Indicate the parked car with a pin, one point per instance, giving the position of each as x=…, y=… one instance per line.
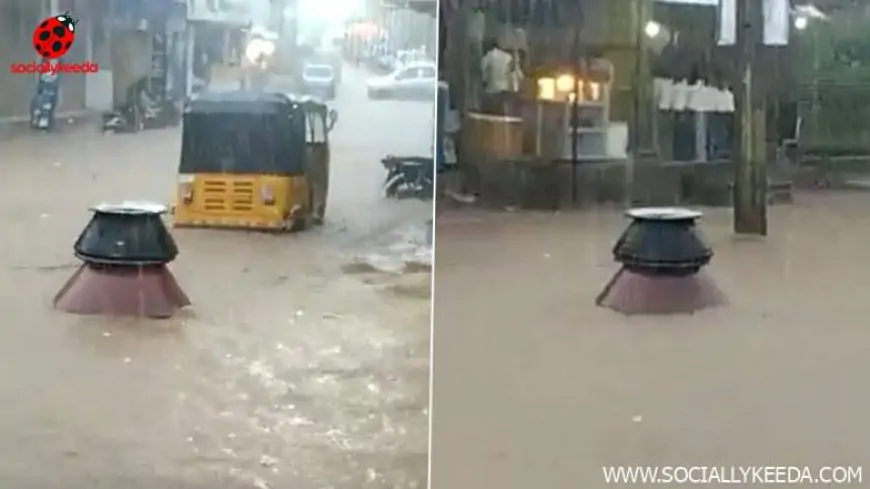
x=319, y=80
x=328, y=56
x=385, y=63
x=409, y=56
x=411, y=81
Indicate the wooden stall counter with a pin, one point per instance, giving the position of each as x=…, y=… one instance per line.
x=493, y=137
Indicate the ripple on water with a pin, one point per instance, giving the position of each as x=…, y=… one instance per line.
x=408, y=251
x=317, y=393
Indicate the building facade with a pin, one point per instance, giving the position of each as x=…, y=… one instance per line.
x=19, y=19
x=113, y=34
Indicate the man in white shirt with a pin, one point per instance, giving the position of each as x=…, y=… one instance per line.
x=501, y=79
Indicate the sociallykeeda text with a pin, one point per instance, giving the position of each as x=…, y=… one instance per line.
x=54, y=68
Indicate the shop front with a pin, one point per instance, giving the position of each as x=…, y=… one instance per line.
x=78, y=93
x=546, y=93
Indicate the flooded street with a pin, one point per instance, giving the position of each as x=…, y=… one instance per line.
x=293, y=368
x=553, y=388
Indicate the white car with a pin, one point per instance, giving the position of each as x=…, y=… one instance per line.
x=410, y=81
x=413, y=56
x=319, y=80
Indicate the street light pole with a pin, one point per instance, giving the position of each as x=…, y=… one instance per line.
x=750, y=159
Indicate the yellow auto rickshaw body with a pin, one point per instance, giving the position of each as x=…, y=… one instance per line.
x=254, y=161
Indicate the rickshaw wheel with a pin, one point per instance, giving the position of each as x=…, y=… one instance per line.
x=318, y=217
x=300, y=224
x=307, y=220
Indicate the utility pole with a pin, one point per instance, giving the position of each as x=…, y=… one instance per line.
x=750, y=158
x=639, y=124
x=287, y=33
x=458, y=48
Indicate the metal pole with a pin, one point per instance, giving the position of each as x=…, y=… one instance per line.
x=572, y=130
x=460, y=42
x=579, y=72
x=628, y=184
x=189, y=52
x=750, y=175
x=277, y=16
x=290, y=29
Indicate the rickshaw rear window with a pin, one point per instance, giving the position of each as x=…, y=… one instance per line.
x=241, y=143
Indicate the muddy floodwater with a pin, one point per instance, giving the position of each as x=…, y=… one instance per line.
x=537, y=387
x=296, y=367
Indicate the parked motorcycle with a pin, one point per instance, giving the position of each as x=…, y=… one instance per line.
x=141, y=111
x=409, y=177
x=44, y=102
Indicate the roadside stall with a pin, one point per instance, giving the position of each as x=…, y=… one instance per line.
x=215, y=40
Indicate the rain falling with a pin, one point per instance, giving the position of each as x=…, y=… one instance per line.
x=205, y=282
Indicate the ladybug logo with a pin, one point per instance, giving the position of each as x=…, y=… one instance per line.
x=54, y=36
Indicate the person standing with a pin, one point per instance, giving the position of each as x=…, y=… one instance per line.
x=501, y=80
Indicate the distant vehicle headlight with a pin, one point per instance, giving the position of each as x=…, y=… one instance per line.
x=257, y=48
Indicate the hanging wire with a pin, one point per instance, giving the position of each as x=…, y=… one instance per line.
x=579, y=72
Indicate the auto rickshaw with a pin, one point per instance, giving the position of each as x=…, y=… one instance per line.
x=254, y=161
